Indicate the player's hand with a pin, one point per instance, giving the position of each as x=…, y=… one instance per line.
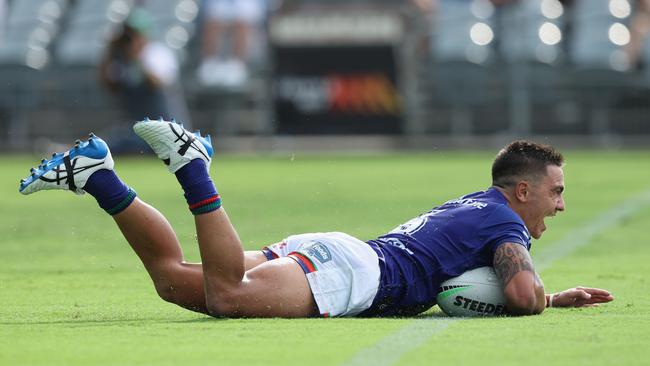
x=581, y=296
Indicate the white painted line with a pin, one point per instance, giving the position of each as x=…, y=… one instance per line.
x=392, y=347
x=580, y=236
x=388, y=350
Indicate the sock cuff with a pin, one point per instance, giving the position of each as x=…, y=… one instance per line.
x=123, y=204
x=207, y=205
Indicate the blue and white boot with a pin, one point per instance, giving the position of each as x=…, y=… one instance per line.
x=173, y=144
x=69, y=170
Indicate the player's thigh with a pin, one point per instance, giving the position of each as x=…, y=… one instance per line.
x=253, y=258
x=276, y=288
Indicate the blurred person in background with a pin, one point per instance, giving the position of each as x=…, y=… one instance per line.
x=426, y=6
x=228, y=32
x=639, y=28
x=426, y=9
x=144, y=75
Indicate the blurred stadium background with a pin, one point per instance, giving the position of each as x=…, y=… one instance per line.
x=332, y=74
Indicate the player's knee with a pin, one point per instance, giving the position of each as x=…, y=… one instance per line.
x=166, y=287
x=168, y=279
x=223, y=305
x=166, y=291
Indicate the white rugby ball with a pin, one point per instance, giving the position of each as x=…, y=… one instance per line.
x=477, y=292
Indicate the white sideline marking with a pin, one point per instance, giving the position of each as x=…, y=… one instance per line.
x=392, y=347
x=578, y=237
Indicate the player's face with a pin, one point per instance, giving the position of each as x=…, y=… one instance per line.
x=546, y=199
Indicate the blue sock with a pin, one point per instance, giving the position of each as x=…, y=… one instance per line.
x=111, y=193
x=200, y=193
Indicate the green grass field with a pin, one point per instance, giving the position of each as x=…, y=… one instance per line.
x=73, y=293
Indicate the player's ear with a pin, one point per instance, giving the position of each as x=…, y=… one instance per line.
x=522, y=190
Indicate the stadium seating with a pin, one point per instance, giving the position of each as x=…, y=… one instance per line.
x=462, y=54
x=463, y=31
x=550, y=69
x=32, y=26
x=645, y=59
x=538, y=34
x=173, y=23
x=598, y=35
x=91, y=24
x=601, y=69
x=531, y=40
x=31, y=30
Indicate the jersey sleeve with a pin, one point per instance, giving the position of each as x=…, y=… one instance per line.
x=505, y=227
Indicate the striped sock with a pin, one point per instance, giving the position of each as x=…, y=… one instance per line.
x=208, y=205
x=200, y=193
x=112, y=195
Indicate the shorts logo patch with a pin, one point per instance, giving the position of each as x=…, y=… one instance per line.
x=320, y=252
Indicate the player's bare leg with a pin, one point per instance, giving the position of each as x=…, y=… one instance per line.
x=88, y=167
x=154, y=241
x=275, y=288
x=271, y=289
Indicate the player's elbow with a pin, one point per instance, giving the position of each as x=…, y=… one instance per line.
x=524, y=300
x=525, y=295
x=524, y=304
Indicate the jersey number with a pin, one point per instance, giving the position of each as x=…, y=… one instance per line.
x=412, y=226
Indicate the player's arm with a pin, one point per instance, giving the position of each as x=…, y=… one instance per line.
x=578, y=297
x=522, y=287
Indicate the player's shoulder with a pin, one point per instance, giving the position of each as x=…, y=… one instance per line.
x=503, y=222
x=502, y=213
x=489, y=199
x=494, y=205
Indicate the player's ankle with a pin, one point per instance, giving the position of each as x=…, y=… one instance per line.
x=206, y=206
x=112, y=195
x=200, y=193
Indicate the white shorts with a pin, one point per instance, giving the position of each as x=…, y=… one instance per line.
x=342, y=271
x=248, y=11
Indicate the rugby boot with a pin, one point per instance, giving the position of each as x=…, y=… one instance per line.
x=173, y=144
x=69, y=170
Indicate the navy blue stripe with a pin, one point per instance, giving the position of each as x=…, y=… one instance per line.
x=302, y=265
x=269, y=254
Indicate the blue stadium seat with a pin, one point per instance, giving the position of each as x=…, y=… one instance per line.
x=32, y=25
x=645, y=59
x=531, y=30
x=91, y=25
x=101, y=10
x=601, y=67
x=591, y=46
x=461, y=60
x=453, y=24
x=93, y=22
x=33, y=11
x=173, y=23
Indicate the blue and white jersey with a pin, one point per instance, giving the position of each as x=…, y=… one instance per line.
x=462, y=234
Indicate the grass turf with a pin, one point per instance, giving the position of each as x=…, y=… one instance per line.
x=73, y=293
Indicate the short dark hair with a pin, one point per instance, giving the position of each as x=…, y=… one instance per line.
x=523, y=160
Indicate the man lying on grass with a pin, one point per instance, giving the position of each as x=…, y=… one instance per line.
x=326, y=274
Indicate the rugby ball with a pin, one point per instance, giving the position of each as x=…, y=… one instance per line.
x=477, y=292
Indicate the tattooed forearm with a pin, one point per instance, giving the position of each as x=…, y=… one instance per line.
x=510, y=259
